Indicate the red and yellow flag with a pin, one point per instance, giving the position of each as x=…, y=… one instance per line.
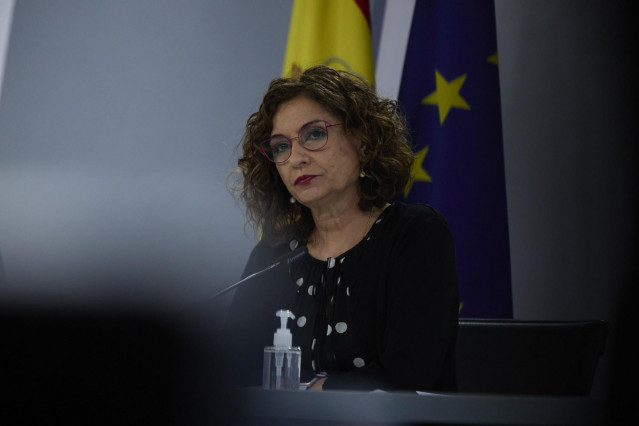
x=336, y=33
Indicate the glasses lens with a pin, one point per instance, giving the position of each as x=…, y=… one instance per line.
x=314, y=135
x=277, y=149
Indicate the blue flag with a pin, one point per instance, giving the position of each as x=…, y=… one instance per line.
x=450, y=94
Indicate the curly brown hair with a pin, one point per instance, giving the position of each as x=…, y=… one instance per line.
x=376, y=122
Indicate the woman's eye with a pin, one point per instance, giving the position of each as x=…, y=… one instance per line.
x=317, y=133
x=279, y=146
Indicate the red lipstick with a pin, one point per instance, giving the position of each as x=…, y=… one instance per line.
x=304, y=179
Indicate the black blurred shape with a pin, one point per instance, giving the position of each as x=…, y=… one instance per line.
x=98, y=365
x=623, y=391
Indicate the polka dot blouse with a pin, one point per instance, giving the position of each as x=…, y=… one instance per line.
x=384, y=313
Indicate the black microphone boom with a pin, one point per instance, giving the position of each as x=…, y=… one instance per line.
x=286, y=259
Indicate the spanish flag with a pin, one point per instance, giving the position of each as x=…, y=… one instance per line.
x=336, y=33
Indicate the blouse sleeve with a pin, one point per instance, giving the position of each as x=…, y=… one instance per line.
x=420, y=305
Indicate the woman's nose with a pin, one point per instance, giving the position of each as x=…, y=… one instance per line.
x=299, y=155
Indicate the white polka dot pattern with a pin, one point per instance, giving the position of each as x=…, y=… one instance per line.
x=341, y=327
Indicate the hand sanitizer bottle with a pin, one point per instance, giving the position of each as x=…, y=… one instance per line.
x=282, y=361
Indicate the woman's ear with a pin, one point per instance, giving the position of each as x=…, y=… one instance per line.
x=362, y=150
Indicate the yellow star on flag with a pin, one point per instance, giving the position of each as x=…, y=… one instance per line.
x=446, y=95
x=417, y=171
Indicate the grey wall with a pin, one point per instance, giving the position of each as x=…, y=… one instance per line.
x=569, y=131
x=118, y=127
x=119, y=121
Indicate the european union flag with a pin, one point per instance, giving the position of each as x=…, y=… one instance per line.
x=450, y=94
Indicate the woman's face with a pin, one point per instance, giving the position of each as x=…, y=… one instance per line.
x=322, y=179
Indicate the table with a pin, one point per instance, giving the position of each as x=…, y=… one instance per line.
x=348, y=407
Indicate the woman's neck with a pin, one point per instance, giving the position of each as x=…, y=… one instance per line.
x=338, y=231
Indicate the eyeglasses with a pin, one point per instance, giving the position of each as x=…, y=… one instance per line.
x=312, y=136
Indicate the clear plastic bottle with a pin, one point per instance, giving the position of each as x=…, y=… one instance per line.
x=282, y=361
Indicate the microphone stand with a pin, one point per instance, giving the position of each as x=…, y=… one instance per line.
x=286, y=259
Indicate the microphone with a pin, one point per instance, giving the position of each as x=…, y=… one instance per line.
x=285, y=259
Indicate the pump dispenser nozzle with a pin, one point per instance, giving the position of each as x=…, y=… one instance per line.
x=283, y=336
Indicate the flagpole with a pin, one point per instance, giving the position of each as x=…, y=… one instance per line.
x=398, y=16
x=6, y=13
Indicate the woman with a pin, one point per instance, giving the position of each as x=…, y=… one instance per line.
x=376, y=293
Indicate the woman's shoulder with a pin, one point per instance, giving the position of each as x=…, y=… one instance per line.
x=410, y=214
x=415, y=228
x=414, y=223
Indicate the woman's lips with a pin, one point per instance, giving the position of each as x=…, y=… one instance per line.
x=304, y=179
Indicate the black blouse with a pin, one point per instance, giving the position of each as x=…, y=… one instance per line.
x=382, y=315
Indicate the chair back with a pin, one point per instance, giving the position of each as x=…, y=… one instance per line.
x=528, y=357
